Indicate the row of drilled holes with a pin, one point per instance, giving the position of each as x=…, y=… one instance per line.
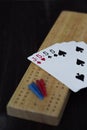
x=57, y=100
x=20, y=95
x=25, y=96
x=27, y=93
x=30, y=75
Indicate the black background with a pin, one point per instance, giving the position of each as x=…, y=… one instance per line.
x=23, y=27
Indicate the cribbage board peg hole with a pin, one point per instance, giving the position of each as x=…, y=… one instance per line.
x=56, y=102
x=35, y=104
x=50, y=101
x=37, y=72
x=22, y=103
x=23, y=88
x=36, y=75
x=23, y=99
x=19, y=95
x=54, y=106
x=17, y=98
x=47, y=109
x=35, y=79
x=27, y=80
x=53, y=110
x=27, y=92
x=58, y=99
x=49, y=105
x=15, y=102
x=21, y=91
x=62, y=87
x=25, y=96
x=57, y=86
x=59, y=95
x=52, y=98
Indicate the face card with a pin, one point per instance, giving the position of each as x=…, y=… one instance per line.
x=67, y=62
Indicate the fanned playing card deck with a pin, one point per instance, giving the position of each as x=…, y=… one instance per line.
x=67, y=62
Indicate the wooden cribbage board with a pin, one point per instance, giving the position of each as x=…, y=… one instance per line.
x=24, y=104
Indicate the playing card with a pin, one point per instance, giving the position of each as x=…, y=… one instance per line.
x=67, y=62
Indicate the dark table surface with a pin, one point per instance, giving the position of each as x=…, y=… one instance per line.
x=23, y=27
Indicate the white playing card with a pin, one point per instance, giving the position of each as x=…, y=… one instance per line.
x=67, y=62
